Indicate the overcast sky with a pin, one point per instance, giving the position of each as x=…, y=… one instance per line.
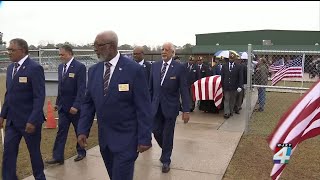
x=149, y=23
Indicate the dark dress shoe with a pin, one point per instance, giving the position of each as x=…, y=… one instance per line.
x=79, y=157
x=53, y=161
x=237, y=112
x=165, y=168
x=226, y=116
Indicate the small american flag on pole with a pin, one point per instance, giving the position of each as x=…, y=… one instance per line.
x=208, y=88
x=292, y=69
x=276, y=66
x=300, y=122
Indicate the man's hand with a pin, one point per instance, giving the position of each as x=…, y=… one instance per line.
x=82, y=140
x=30, y=128
x=142, y=148
x=55, y=108
x=73, y=110
x=185, y=117
x=1, y=122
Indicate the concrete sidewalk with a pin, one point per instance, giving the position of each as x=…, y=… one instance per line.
x=202, y=150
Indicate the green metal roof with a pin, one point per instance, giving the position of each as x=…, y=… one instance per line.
x=211, y=49
x=277, y=37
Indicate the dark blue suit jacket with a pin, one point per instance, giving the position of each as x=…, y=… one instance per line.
x=147, y=69
x=123, y=116
x=71, y=88
x=174, y=84
x=25, y=95
x=193, y=73
x=217, y=69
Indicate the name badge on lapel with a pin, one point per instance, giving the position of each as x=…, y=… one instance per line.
x=173, y=77
x=23, y=79
x=71, y=75
x=123, y=87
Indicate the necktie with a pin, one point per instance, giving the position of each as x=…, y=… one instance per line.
x=64, y=70
x=106, y=78
x=230, y=66
x=163, y=70
x=16, y=65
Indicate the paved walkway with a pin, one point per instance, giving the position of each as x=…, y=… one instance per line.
x=202, y=150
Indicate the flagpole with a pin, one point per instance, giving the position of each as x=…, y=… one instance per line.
x=2, y=132
x=303, y=59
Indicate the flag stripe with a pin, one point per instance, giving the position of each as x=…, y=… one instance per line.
x=208, y=88
x=300, y=122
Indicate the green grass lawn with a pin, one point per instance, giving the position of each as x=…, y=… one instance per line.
x=253, y=157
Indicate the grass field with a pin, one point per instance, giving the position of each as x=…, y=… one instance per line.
x=253, y=157
x=48, y=136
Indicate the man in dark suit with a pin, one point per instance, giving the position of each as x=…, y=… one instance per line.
x=232, y=82
x=23, y=110
x=167, y=83
x=240, y=95
x=72, y=84
x=138, y=56
x=192, y=76
x=117, y=92
x=204, y=69
x=218, y=67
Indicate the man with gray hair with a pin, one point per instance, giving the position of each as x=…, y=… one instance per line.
x=168, y=81
x=117, y=92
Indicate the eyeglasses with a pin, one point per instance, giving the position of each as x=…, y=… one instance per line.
x=100, y=45
x=12, y=50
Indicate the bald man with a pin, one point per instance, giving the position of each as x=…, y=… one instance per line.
x=117, y=92
x=138, y=56
x=168, y=81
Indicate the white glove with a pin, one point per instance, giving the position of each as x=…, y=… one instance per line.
x=239, y=89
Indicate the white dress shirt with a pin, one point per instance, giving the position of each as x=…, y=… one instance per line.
x=141, y=62
x=114, y=62
x=164, y=76
x=20, y=63
x=68, y=65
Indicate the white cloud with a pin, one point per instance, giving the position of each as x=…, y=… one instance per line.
x=150, y=23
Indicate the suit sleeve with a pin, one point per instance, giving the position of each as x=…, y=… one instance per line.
x=151, y=81
x=184, y=90
x=222, y=75
x=87, y=111
x=81, y=86
x=58, y=95
x=241, y=76
x=4, y=110
x=142, y=103
x=39, y=94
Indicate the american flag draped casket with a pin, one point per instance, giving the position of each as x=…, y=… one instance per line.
x=208, y=88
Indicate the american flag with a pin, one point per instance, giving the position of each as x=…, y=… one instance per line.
x=276, y=66
x=208, y=88
x=300, y=122
x=292, y=69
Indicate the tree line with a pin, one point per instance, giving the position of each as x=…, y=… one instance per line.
x=185, y=49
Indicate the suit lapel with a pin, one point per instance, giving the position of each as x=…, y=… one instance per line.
x=21, y=70
x=115, y=76
x=70, y=69
x=170, y=71
x=9, y=76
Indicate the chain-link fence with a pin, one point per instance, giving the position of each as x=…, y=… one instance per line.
x=50, y=60
x=276, y=79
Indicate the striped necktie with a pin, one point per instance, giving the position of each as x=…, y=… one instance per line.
x=163, y=70
x=16, y=65
x=106, y=78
